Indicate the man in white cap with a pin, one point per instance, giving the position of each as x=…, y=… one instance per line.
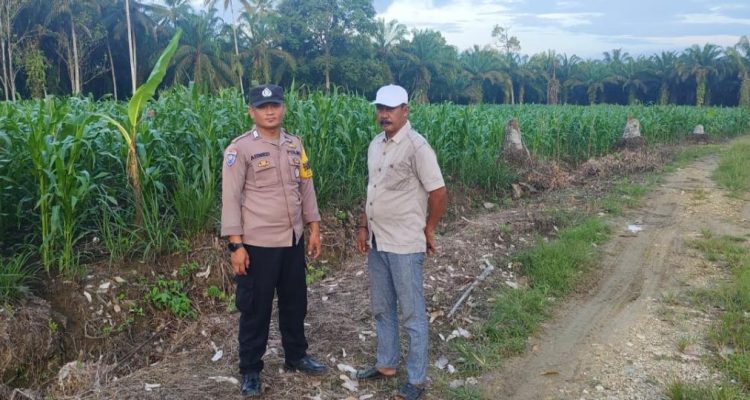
x=406, y=197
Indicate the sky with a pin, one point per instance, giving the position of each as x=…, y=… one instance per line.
x=586, y=28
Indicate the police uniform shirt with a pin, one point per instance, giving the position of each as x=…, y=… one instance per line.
x=267, y=190
x=402, y=171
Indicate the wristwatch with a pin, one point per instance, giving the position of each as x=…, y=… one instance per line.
x=234, y=247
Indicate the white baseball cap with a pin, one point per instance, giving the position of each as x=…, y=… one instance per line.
x=391, y=96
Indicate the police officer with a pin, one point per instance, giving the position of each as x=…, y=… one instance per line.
x=267, y=199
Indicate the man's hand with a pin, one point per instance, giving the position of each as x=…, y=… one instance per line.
x=362, y=235
x=314, y=242
x=240, y=261
x=430, y=239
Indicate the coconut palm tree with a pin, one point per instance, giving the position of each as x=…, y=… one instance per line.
x=199, y=58
x=228, y=4
x=261, y=47
x=386, y=38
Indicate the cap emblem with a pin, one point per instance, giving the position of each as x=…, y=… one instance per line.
x=266, y=92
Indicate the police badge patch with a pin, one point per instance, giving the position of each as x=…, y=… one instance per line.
x=231, y=157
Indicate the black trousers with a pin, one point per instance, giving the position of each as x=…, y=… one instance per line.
x=272, y=269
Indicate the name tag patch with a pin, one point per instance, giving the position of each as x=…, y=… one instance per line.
x=258, y=155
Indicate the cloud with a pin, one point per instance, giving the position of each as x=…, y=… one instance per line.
x=570, y=19
x=462, y=22
x=582, y=27
x=711, y=19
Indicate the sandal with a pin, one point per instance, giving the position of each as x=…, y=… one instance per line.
x=370, y=374
x=410, y=392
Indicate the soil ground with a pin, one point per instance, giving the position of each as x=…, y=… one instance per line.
x=630, y=335
x=618, y=339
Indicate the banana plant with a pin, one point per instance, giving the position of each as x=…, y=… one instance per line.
x=129, y=130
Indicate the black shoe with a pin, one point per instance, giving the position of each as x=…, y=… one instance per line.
x=307, y=365
x=250, y=384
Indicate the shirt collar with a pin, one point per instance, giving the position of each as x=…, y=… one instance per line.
x=283, y=136
x=400, y=134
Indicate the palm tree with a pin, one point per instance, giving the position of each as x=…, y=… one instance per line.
x=76, y=27
x=386, y=38
x=199, y=58
x=565, y=69
x=427, y=58
x=522, y=74
x=590, y=75
x=546, y=65
x=248, y=8
x=633, y=81
x=664, y=69
x=701, y=64
x=171, y=13
x=262, y=51
x=137, y=24
x=739, y=56
x=483, y=66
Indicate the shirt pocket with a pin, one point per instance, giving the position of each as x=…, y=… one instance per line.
x=265, y=172
x=399, y=176
x=295, y=163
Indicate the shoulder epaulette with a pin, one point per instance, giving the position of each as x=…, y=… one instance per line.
x=244, y=135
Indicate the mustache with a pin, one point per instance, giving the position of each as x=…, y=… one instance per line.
x=384, y=122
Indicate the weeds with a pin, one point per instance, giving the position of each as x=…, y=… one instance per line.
x=733, y=172
x=16, y=277
x=169, y=294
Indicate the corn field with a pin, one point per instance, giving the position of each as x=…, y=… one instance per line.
x=65, y=197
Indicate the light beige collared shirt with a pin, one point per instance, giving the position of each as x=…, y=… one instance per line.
x=267, y=190
x=402, y=171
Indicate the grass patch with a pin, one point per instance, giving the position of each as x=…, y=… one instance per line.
x=552, y=268
x=626, y=193
x=16, y=276
x=730, y=335
x=685, y=391
x=733, y=172
x=687, y=155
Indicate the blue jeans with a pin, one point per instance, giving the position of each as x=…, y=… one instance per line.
x=396, y=281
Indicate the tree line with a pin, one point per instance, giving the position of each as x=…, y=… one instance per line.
x=106, y=48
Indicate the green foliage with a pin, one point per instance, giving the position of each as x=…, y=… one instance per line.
x=186, y=269
x=554, y=266
x=733, y=328
x=169, y=294
x=685, y=391
x=214, y=292
x=52, y=326
x=315, y=272
x=16, y=276
x=733, y=172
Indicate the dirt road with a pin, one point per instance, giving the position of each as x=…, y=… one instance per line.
x=631, y=335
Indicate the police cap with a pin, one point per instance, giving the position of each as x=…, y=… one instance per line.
x=263, y=94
